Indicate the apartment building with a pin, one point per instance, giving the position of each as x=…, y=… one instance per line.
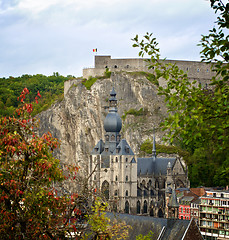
x=214, y=215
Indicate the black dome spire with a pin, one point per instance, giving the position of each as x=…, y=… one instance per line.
x=113, y=122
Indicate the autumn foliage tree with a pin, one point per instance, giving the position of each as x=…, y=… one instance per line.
x=34, y=200
x=30, y=206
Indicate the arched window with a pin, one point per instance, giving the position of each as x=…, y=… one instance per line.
x=126, y=159
x=112, y=137
x=105, y=189
x=126, y=193
x=116, y=192
x=116, y=159
x=116, y=178
x=126, y=178
x=145, y=207
x=138, y=207
x=143, y=183
x=127, y=207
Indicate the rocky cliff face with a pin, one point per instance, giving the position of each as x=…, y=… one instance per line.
x=77, y=121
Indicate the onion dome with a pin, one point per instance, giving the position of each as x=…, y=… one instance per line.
x=113, y=122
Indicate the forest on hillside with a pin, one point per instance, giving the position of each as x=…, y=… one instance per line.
x=51, y=89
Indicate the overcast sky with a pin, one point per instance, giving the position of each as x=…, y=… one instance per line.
x=46, y=36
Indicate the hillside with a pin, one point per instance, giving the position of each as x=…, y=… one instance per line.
x=51, y=89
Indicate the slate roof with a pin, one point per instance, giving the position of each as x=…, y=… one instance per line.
x=174, y=228
x=154, y=165
x=99, y=146
x=123, y=146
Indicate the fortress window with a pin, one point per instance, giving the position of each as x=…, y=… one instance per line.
x=95, y=177
x=112, y=137
x=126, y=159
x=198, y=70
x=187, y=68
x=106, y=66
x=115, y=66
x=126, y=193
x=116, y=159
x=126, y=178
x=116, y=192
x=106, y=149
x=116, y=178
x=107, y=137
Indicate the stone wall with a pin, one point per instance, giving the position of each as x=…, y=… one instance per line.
x=195, y=70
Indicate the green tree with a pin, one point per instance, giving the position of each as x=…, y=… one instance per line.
x=198, y=117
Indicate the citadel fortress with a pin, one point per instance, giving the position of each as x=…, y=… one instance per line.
x=196, y=70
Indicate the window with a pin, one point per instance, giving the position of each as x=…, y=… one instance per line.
x=112, y=137
x=106, y=149
x=126, y=178
x=116, y=192
x=126, y=193
x=107, y=137
x=116, y=159
x=115, y=66
x=126, y=159
x=116, y=178
x=198, y=70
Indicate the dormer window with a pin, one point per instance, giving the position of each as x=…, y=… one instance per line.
x=96, y=149
x=117, y=150
x=127, y=150
x=106, y=149
x=107, y=137
x=112, y=137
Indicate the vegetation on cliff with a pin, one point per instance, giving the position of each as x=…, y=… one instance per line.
x=50, y=87
x=198, y=117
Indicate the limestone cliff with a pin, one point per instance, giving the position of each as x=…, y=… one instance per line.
x=78, y=120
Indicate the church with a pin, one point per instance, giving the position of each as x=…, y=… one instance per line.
x=143, y=186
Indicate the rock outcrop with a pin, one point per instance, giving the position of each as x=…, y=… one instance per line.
x=77, y=121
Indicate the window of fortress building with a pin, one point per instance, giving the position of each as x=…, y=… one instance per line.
x=126, y=178
x=126, y=193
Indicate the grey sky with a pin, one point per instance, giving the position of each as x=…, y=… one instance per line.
x=46, y=36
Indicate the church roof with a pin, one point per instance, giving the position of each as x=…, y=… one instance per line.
x=98, y=149
x=154, y=166
x=123, y=148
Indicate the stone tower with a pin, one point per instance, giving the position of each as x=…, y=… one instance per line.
x=113, y=164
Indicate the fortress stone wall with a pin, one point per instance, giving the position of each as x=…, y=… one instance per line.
x=195, y=69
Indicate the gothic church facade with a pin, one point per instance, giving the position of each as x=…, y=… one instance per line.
x=134, y=185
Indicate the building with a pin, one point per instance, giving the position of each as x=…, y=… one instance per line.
x=214, y=215
x=162, y=229
x=133, y=185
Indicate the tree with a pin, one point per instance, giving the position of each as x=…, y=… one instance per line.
x=198, y=116
x=30, y=205
x=34, y=203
